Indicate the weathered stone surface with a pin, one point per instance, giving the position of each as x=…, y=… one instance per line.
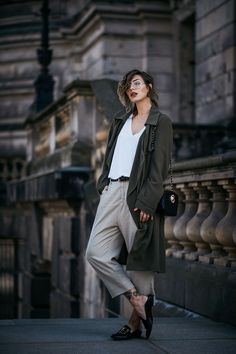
x=229, y=83
x=106, y=96
x=212, y=90
x=201, y=288
x=162, y=46
x=205, y=7
x=215, y=43
x=211, y=112
x=164, y=82
x=55, y=275
x=230, y=106
x=164, y=100
x=215, y=20
x=64, y=183
x=63, y=306
x=64, y=233
x=16, y=111
x=171, y=286
x=47, y=238
x=116, y=46
x=210, y=68
x=208, y=283
x=159, y=64
x=229, y=297
x=65, y=266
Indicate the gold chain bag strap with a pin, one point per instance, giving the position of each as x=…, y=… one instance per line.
x=168, y=204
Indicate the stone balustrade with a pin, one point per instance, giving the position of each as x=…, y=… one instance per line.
x=204, y=229
x=12, y=168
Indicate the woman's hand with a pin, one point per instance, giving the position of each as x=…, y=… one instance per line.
x=144, y=217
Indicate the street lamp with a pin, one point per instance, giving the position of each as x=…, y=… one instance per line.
x=44, y=83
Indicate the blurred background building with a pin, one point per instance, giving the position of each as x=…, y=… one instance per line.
x=60, y=62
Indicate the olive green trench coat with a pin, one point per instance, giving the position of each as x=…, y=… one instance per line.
x=149, y=170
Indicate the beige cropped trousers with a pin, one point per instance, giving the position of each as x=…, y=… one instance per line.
x=112, y=226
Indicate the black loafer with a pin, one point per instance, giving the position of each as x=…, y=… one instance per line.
x=149, y=317
x=125, y=333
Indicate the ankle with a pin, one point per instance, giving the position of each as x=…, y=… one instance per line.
x=130, y=293
x=134, y=326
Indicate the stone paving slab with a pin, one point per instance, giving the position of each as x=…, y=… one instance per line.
x=82, y=348
x=173, y=335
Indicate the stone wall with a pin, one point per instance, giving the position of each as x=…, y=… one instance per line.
x=188, y=48
x=90, y=40
x=215, y=61
x=204, y=61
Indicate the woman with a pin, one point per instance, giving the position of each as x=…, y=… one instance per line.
x=127, y=229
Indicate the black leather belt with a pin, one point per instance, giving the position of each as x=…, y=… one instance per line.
x=120, y=179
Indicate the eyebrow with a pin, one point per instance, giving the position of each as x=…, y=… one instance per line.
x=135, y=80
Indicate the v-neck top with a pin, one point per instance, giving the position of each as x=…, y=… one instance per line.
x=125, y=149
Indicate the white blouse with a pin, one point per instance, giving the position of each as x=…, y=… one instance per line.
x=125, y=149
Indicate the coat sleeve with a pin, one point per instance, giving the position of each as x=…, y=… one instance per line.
x=102, y=179
x=152, y=189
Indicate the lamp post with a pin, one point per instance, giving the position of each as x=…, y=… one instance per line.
x=44, y=83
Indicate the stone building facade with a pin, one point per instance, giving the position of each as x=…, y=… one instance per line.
x=189, y=48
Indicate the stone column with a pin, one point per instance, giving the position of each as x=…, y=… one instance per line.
x=181, y=223
x=233, y=263
x=208, y=228
x=194, y=225
x=170, y=223
x=60, y=247
x=224, y=230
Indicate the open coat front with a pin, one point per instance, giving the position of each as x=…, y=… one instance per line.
x=150, y=169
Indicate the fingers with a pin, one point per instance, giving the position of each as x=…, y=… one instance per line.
x=144, y=217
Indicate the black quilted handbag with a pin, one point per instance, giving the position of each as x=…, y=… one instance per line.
x=168, y=204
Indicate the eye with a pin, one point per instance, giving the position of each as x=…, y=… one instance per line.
x=136, y=84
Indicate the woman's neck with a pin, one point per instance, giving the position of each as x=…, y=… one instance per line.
x=143, y=107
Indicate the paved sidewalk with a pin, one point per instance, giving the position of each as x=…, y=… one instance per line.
x=172, y=335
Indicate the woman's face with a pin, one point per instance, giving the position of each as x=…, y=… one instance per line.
x=137, y=90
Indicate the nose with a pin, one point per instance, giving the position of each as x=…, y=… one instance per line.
x=131, y=88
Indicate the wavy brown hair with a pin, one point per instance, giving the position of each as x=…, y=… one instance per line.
x=124, y=85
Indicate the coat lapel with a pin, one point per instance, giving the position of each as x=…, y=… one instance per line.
x=144, y=145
